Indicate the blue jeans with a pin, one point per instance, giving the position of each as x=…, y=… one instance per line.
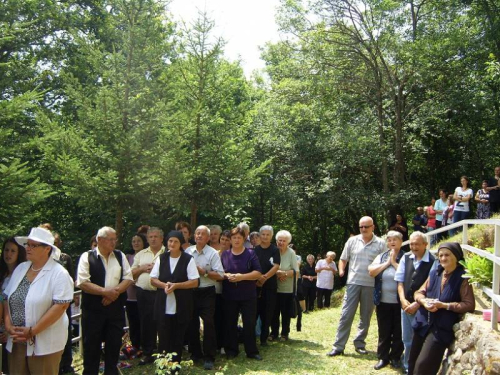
x=407, y=333
x=459, y=216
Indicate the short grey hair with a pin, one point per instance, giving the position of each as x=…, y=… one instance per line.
x=203, y=227
x=420, y=235
x=215, y=227
x=267, y=227
x=244, y=226
x=104, y=231
x=285, y=234
x=394, y=234
x=155, y=229
x=331, y=253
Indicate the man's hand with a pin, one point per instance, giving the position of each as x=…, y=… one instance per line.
x=412, y=308
x=147, y=268
x=111, y=293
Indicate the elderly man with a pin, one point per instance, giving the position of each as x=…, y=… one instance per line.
x=412, y=272
x=103, y=276
x=267, y=285
x=144, y=261
x=210, y=269
x=359, y=252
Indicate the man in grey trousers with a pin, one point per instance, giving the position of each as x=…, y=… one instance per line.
x=359, y=252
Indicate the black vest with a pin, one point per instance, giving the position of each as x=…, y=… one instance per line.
x=92, y=302
x=183, y=297
x=415, y=278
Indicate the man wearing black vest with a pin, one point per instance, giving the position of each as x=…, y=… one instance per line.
x=412, y=272
x=103, y=276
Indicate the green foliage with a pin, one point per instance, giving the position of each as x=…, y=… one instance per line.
x=478, y=269
x=165, y=366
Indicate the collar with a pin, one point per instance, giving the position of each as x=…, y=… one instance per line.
x=425, y=258
x=161, y=251
x=360, y=238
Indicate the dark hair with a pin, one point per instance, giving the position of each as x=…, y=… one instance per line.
x=466, y=179
x=182, y=224
x=226, y=233
x=143, y=229
x=238, y=231
x=443, y=190
x=21, y=257
x=143, y=238
x=93, y=239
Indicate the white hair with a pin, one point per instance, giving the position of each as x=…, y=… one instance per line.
x=215, y=227
x=267, y=227
x=420, y=235
x=203, y=227
x=104, y=231
x=331, y=253
x=155, y=229
x=394, y=234
x=285, y=234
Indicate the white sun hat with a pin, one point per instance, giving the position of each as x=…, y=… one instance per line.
x=43, y=236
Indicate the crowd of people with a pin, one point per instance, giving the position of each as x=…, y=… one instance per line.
x=171, y=284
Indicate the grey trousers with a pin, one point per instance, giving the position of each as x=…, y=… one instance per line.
x=354, y=295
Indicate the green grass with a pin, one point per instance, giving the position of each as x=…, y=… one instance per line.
x=304, y=353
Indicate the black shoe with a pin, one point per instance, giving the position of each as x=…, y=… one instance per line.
x=257, y=357
x=335, y=353
x=361, y=351
x=208, y=365
x=396, y=364
x=299, y=328
x=381, y=364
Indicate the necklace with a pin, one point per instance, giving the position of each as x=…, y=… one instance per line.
x=34, y=270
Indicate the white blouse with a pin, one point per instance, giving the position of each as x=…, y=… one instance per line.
x=52, y=285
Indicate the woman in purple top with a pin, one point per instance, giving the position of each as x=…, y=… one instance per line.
x=241, y=271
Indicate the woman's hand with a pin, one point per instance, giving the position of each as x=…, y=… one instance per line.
x=281, y=275
x=235, y=277
x=430, y=304
x=170, y=287
x=22, y=334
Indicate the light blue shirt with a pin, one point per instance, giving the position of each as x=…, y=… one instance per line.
x=400, y=273
x=208, y=259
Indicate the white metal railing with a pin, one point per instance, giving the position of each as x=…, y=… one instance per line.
x=494, y=292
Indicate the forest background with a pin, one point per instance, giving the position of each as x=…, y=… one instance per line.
x=113, y=114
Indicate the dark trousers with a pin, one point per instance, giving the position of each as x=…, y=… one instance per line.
x=266, y=304
x=204, y=308
x=134, y=324
x=219, y=320
x=248, y=310
x=67, y=356
x=146, y=304
x=171, y=333
x=390, y=341
x=426, y=355
x=324, y=296
x=104, y=326
x=494, y=207
x=283, y=307
x=310, y=296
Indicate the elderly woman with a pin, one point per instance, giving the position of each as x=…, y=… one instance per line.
x=309, y=277
x=39, y=292
x=443, y=298
x=385, y=297
x=241, y=272
x=326, y=270
x=175, y=275
x=287, y=275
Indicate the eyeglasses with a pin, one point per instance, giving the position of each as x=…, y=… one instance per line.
x=34, y=246
x=365, y=226
x=110, y=239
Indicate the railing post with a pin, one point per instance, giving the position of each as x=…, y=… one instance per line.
x=496, y=280
x=465, y=237
x=80, y=333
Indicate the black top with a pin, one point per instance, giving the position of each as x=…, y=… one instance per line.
x=494, y=194
x=308, y=270
x=268, y=257
x=415, y=278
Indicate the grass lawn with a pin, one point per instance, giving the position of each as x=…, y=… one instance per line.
x=304, y=353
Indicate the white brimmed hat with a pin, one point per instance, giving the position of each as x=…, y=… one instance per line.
x=43, y=236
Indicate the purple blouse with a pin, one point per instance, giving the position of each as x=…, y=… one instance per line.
x=246, y=262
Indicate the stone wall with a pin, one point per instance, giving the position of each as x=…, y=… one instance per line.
x=476, y=350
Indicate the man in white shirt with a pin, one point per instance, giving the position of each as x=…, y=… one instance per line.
x=210, y=269
x=103, y=276
x=144, y=261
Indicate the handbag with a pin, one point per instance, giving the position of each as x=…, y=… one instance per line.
x=294, y=309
